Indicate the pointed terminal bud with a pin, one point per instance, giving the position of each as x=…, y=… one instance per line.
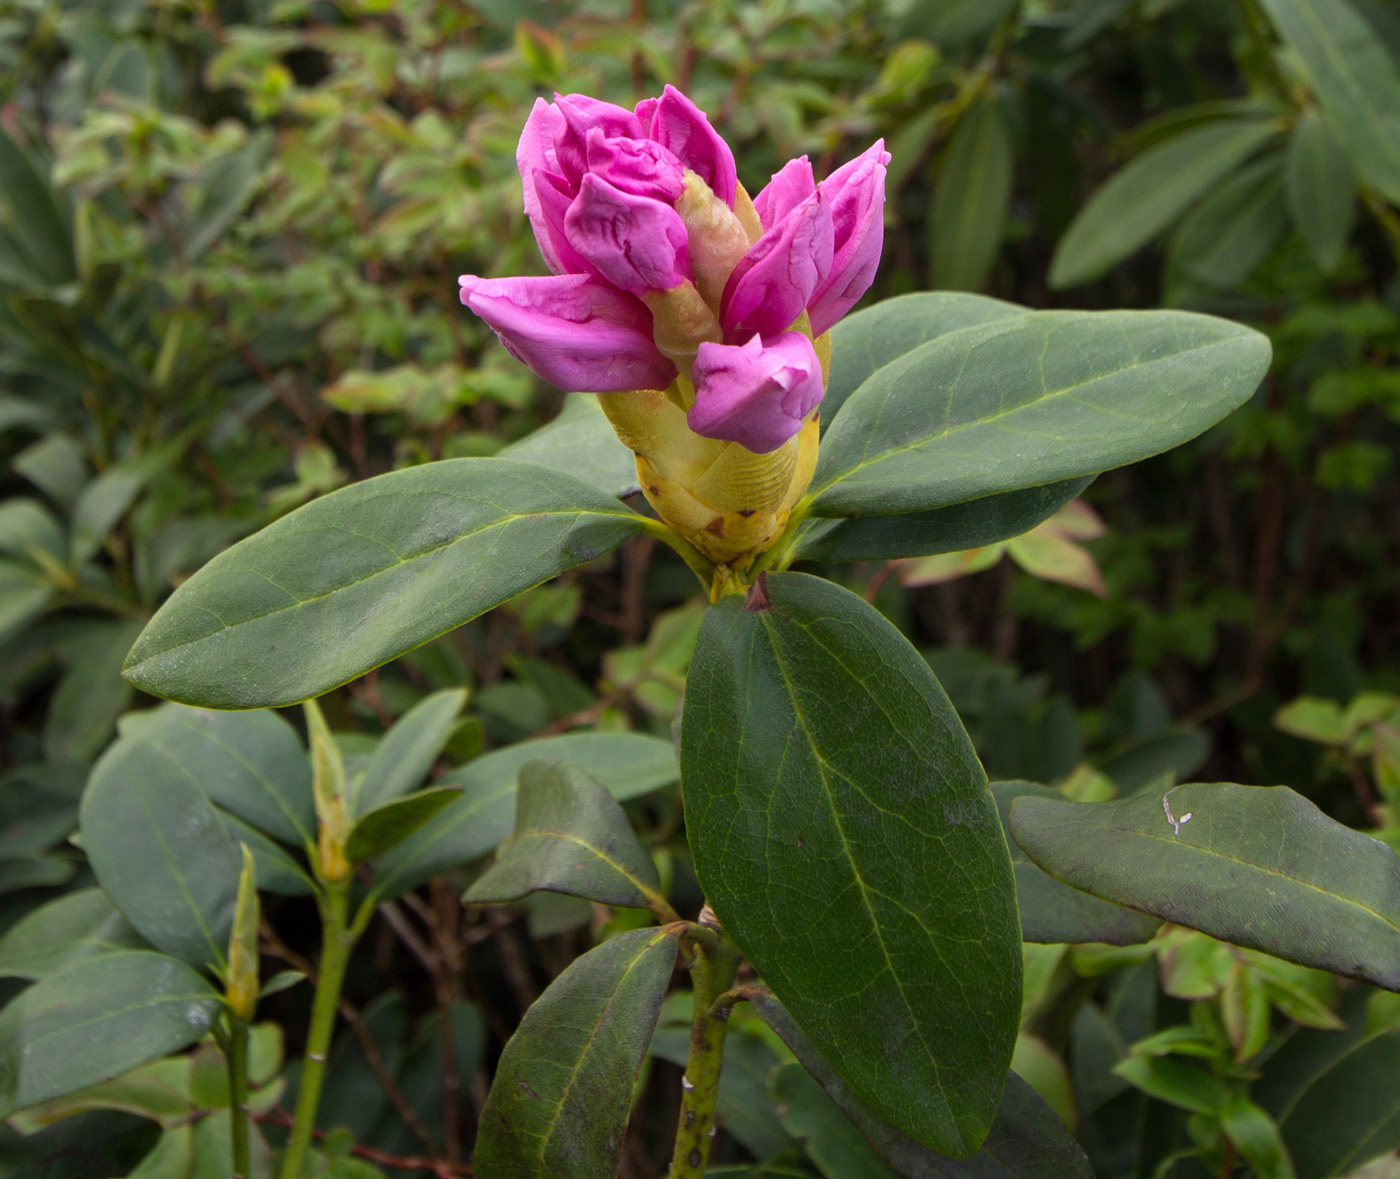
x=856, y=194
x=329, y=789
x=717, y=238
x=243, y=981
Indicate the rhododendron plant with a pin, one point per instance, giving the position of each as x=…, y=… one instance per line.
x=667, y=277
x=840, y=825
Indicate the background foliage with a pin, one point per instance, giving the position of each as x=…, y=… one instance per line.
x=229, y=234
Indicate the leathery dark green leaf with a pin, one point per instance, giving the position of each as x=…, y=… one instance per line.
x=366, y=573
x=560, y=1099
x=571, y=837
x=844, y=834
x=1030, y=400
x=96, y=1019
x=1259, y=866
x=944, y=530
x=1027, y=1140
x=389, y=824
x=1052, y=912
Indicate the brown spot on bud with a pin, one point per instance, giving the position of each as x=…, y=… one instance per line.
x=746, y=512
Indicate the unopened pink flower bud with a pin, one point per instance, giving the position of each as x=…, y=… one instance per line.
x=756, y=394
x=580, y=114
x=641, y=167
x=792, y=184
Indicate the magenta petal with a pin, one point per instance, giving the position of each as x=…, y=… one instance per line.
x=635, y=243
x=789, y=187
x=572, y=330
x=680, y=125
x=580, y=114
x=552, y=201
x=856, y=193
x=775, y=279
x=639, y=166
x=535, y=155
x=756, y=394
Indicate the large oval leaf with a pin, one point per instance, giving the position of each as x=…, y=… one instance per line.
x=1027, y=1141
x=165, y=854
x=581, y=442
x=971, y=197
x=1258, y=866
x=628, y=764
x=943, y=530
x=249, y=763
x=1053, y=913
x=1030, y=400
x=843, y=831
x=1321, y=190
x=96, y=1019
x=366, y=573
x=559, y=1102
x=405, y=754
x=870, y=339
x=1145, y=197
x=1355, y=80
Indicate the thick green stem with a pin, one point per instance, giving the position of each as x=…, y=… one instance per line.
x=236, y=1053
x=335, y=953
x=712, y=975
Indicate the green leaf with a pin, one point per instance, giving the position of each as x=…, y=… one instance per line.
x=570, y=837
x=1261, y=867
x=228, y=185
x=33, y=214
x=628, y=764
x=1342, y=1107
x=170, y=1158
x=1029, y=400
x=831, y=1141
x=951, y=22
x=249, y=763
x=165, y=854
x=62, y=932
x=581, y=442
x=366, y=573
x=28, y=528
x=1141, y=200
x=1228, y=234
x=1256, y=1137
x=386, y=826
x=96, y=1019
x=868, y=340
x=91, y=693
x=1054, y=913
x=1175, y=1082
x=970, y=525
x=406, y=753
x=1354, y=79
x=563, y=1087
x=833, y=799
x=1027, y=1141
x=1321, y=190
x=971, y=196
x=1313, y=719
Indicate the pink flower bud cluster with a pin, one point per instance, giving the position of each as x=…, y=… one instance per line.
x=614, y=197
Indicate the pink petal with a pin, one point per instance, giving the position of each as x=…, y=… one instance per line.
x=790, y=186
x=635, y=243
x=580, y=114
x=552, y=200
x=535, y=154
x=572, y=330
x=856, y=193
x=680, y=125
x=639, y=166
x=756, y=394
x=775, y=279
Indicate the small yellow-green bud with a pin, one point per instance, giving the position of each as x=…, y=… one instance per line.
x=329, y=789
x=243, y=981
